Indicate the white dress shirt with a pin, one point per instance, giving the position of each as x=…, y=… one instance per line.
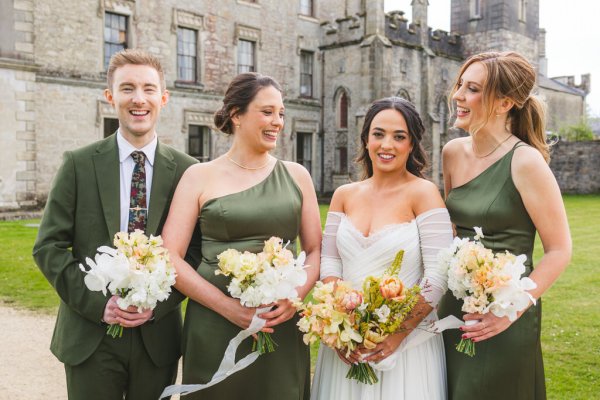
x=126, y=165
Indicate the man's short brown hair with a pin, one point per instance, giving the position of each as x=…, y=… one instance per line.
x=135, y=57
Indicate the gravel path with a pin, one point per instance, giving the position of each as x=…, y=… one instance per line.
x=28, y=370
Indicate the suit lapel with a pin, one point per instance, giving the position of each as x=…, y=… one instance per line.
x=106, y=165
x=162, y=184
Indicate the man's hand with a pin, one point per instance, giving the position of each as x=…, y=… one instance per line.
x=129, y=318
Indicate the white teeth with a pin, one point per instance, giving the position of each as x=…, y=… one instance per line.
x=461, y=109
x=386, y=156
x=138, y=112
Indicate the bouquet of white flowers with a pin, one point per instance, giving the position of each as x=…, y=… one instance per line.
x=263, y=278
x=138, y=270
x=486, y=281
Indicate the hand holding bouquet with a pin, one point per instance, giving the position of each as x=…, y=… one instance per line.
x=386, y=305
x=263, y=278
x=343, y=318
x=486, y=281
x=137, y=270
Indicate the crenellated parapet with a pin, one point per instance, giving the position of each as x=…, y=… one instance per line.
x=442, y=43
x=446, y=44
x=343, y=31
x=398, y=30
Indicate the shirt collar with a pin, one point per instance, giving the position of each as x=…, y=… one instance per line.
x=126, y=148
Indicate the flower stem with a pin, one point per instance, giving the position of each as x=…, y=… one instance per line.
x=466, y=346
x=362, y=372
x=264, y=343
x=114, y=330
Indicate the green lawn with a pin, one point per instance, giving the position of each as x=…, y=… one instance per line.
x=571, y=314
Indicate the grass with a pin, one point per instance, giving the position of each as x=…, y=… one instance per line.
x=571, y=321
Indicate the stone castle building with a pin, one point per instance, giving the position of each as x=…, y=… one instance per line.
x=332, y=57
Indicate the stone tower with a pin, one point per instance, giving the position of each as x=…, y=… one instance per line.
x=497, y=25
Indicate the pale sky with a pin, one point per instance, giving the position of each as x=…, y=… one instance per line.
x=572, y=37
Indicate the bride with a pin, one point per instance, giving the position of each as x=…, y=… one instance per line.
x=394, y=208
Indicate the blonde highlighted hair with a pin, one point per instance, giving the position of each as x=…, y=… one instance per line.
x=511, y=76
x=134, y=57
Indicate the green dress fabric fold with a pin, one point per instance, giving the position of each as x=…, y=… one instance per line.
x=243, y=221
x=509, y=365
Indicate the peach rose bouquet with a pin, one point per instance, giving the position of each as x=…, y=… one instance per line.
x=386, y=304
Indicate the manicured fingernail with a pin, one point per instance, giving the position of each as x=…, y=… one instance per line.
x=461, y=328
x=473, y=340
x=464, y=336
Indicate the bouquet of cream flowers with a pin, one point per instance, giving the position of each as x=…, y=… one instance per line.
x=486, y=281
x=342, y=318
x=332, y=317
x=137, y=270
x=263, y=278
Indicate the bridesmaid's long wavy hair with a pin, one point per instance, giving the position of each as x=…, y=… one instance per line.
x=510, y=75
x=417, y=159
x=240, y=92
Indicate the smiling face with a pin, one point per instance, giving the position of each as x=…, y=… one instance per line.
x=470, y=109
x=262, y=122
x=389, y=143
x=137, y=98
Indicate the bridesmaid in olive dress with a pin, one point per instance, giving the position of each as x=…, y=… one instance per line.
x=498, y=178
x=242, y=199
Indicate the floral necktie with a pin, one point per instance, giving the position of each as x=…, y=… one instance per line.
x=137, y=203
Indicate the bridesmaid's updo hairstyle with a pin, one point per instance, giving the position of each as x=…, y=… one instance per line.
x=510, y=75
x=240, y=92
x=417, y=159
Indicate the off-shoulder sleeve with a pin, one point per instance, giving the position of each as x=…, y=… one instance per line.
x=435, y=233
x=331, y=263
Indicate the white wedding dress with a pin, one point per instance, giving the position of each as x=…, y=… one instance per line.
x=417, y=370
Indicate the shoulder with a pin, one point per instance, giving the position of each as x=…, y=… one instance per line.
x=299, y=173
x=425, y=195
x=99, y=146
x=455, y=146
x=528, y=165
x=178, y=156
x=342, y=193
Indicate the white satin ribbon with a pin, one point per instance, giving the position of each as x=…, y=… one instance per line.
x=424, y=332
x=228, y=365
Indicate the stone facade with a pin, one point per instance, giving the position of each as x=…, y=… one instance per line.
x=576, y=166
x=52, y=74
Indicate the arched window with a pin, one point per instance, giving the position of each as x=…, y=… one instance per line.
x=343, y=111
x=404, y=94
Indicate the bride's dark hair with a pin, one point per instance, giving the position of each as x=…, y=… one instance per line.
x=417, y=159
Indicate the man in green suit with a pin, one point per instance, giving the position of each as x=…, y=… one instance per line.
x=91, y=199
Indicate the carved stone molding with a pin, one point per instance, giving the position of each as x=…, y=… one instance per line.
x=125, y=7
x=247, y=33
x=187, y=19
x=194, y=117
x=104, y=110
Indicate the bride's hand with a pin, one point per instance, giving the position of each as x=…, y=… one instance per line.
x=384, y=349
x=488, y=326
x=352, y=358
x=282, y=311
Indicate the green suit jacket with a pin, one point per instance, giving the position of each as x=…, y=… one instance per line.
x=83, y=213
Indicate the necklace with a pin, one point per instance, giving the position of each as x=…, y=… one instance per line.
x=493, y=150
x=245, y=167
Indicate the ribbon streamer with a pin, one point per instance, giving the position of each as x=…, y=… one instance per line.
x=228, y=365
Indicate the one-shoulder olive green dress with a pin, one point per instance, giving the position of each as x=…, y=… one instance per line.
x=243, y=221
x=509, y=365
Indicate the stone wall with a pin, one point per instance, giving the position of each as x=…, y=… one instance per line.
x=566, y=109
x=576, y=166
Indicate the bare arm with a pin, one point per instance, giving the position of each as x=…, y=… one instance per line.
x=541, y=195
x=310, y=239
x=543, y=202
